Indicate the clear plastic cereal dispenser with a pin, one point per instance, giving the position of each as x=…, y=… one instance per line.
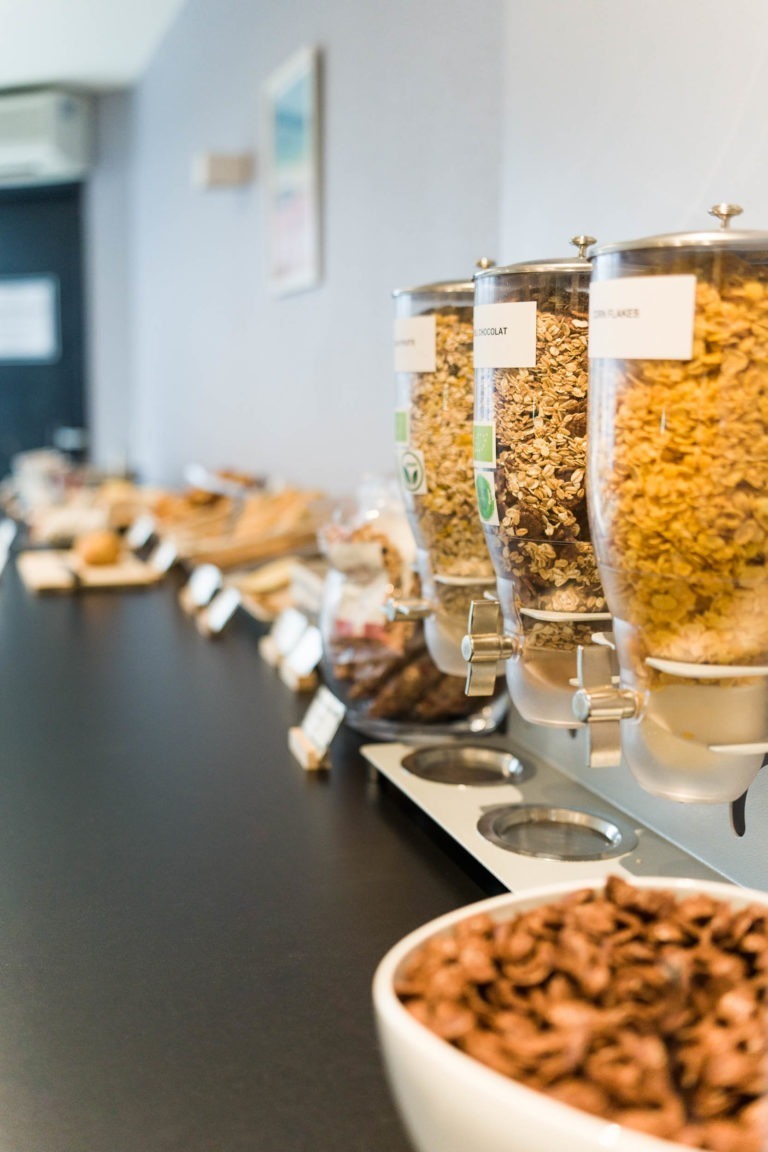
x=531, y=375
x=678, y=484
x=433, y=433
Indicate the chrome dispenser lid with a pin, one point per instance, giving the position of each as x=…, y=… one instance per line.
x=445, y=287
x=578, y=263
x=722, y=238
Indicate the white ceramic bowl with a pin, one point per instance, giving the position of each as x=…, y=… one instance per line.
x=450, y=1102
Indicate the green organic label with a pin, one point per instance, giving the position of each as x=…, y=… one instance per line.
x=401, y=426
x=484, y=443
x=412, y=473
x=486, y=499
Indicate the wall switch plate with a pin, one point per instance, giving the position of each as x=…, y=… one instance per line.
x=222, y=170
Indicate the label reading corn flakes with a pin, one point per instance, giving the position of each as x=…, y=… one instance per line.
x=642, y=318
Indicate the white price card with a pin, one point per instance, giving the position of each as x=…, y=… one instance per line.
x=416, y=344
x=322, y=719
x=164, y=556
x=304, y=657
x=505, y=335
x=642, y=318
x=8, y=530
x=287, y=630
x=140, y=532
x=221, y=609
x=203, y=584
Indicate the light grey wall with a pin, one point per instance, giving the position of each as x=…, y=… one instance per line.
x=301, y=387
x=624, y=119
x=451, y=131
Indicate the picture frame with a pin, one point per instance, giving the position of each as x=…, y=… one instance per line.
x=292, y=164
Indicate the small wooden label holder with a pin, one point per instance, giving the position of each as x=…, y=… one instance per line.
x=200, y=589
x=310, y=742
x=284, y=635
x=297, y=669
x=140, y=532
x=213, y=619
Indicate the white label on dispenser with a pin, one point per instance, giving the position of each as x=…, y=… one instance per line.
x=505, y=335
x=642, y=318
x=415, y=344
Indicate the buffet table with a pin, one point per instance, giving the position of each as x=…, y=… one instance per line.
x=190, y=921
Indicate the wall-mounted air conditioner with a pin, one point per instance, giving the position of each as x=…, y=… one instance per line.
x=45, y=137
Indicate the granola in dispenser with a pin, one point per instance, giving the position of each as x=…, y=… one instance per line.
x=444, y=516
x=542, y=541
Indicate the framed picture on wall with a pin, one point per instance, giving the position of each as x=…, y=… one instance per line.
x=292, y=173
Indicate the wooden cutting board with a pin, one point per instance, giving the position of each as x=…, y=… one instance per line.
x=57, y=571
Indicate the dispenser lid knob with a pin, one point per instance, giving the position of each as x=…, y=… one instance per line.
x=582, y=243
x=725, y=213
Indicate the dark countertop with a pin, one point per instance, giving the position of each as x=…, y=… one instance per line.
x=190, y=922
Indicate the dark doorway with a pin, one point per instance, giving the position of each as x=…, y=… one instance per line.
x=41, y=249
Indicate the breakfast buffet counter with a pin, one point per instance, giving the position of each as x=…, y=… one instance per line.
x=190, y=921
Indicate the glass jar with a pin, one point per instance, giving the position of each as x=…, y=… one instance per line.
x=531, y=378
x=381, y=669
x=433, y=433
x=678, y=483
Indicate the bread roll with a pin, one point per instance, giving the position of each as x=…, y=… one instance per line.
x=98, y=547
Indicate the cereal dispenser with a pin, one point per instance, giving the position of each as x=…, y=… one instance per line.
x=530, y=358
x=433, y=432
x=678, y=487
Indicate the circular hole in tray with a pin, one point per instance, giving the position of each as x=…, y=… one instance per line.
x=556, y=833
x=465, y=764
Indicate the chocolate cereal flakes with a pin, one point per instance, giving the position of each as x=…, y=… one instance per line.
x=636, y=1005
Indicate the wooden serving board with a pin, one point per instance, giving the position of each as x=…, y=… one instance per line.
x=57, y=571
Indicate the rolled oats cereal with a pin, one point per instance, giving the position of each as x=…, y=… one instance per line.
x=633, y=1004
x=680, y=479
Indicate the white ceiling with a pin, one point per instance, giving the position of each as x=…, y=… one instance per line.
x=95, y=44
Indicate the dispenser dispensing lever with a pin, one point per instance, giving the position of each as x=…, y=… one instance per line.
x=484, y=646
x=601, y=705
x=406, y=609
